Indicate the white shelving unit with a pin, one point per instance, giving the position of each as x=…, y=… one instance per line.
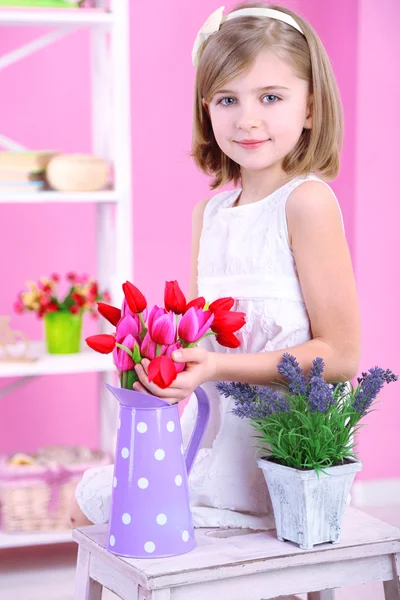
x=111, y=139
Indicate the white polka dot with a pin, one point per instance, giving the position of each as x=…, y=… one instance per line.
x=119, y=422
x=124, y=452
x=126, y=518
x=182, y=449
x=159, y=454
x=161, y=519
x=170, y=426
x=141, y=427
x=112, y=540
x=143, y=483
x=149, y=547
x=185, y=536
x=115, y=482
x=178, y=480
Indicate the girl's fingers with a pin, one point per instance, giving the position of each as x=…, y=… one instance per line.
x=138, y=387
x=145, y=364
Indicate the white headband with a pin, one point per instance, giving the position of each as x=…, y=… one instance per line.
x=215, y=20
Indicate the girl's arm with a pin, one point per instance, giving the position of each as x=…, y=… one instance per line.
x=326, y=277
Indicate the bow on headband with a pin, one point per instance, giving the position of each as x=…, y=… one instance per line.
x=216, y=19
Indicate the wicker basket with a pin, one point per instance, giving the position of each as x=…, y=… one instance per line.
x=37, y=497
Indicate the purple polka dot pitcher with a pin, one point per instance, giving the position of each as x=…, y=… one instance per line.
x=150, y=507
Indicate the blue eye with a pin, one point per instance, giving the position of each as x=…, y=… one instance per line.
x=274, y=100
x=271, y=96
x=221, y=101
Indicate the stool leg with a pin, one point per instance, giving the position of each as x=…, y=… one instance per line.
x=322, y=595
x=392, y=588
x=85, y=587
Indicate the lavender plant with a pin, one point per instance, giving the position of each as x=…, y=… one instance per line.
x=307, y=423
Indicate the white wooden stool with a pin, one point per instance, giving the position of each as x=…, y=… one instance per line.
x=244, y=565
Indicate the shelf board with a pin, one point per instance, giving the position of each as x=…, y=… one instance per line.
x=56, y=17
x=17, y=540
x=87, y=361
x=46, y=197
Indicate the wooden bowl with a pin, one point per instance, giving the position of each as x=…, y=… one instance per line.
x=77, y=173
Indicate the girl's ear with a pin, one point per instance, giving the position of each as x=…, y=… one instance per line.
x=308, y=121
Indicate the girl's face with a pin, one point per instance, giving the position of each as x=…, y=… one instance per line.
x=268, y=104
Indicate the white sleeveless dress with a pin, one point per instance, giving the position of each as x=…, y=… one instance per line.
x=244, y=253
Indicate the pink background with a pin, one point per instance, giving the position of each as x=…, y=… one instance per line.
x=45, y=103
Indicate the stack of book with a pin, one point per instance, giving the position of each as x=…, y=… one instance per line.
x=23, y=172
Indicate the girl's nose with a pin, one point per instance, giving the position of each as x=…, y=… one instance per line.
x=248, y=121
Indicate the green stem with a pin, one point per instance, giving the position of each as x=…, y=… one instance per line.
x=124, y=379
x=207, y=334
x=144, y=329
x=125, y=348
x=131, y=378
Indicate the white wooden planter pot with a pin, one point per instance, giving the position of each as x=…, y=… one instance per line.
x=308, y=510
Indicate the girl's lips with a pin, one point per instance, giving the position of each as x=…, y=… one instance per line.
x=252, y=145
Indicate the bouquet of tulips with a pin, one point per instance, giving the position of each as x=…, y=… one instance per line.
x=155, y=335
x=43, y=296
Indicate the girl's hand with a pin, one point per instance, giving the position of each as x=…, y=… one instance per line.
x=200, y=367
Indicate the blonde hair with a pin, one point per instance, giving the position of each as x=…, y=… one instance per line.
x=230, y=52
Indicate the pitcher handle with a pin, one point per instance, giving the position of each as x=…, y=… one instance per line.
x=200, y=427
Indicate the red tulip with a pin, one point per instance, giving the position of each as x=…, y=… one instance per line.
x=194, y=324
x=111, y=313
x=125, y=310
x=135, y=299
x=173, y=298
x=221, y=304
x=228, y=321
x=228, y=339
x=197, y=303
x=162, y=371
x=103, y=343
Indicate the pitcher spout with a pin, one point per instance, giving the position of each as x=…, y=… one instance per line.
x=133, y=399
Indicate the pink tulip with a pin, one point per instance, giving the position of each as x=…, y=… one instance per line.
x=194, y=324
x=170, y=349
x=155, y=312
x=128, y=325
x=162, y=327
x=148, y=348
x=122, y=360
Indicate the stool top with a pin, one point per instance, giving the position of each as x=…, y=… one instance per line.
x=234, y=551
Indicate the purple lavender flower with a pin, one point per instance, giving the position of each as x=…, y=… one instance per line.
x=253, y=402
x=370, y=384
x=290, y=368
x=320, y=396
x=317, y=368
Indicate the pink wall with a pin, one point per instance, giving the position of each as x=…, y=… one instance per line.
x=166, y=187
x=377, y=223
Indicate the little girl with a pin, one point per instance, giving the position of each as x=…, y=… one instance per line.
x=267, y=115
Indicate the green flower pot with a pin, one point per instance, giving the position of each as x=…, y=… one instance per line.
x=62, y=332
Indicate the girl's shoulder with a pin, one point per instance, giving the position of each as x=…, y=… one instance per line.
x=323, y=191
x=217, y=201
